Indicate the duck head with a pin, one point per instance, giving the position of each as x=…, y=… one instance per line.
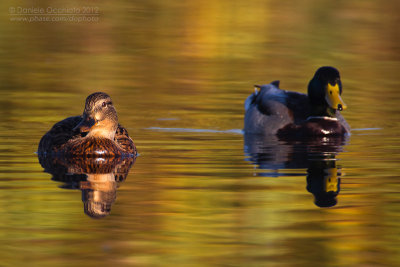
x=99, y=117
x=324, y=92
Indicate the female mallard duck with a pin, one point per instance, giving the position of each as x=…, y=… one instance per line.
x=94, y=134
x=274, y=111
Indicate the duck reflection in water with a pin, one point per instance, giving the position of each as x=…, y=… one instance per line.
x=97, y=178
x=316, y=154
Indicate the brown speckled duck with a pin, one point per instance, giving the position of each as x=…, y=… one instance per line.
x=96, y=133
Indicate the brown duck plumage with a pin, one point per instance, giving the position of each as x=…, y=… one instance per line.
x=96, y=133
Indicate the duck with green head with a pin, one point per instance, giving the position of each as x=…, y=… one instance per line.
x=273, y=111
x=96, y=133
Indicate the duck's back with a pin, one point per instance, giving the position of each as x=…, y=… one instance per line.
x=63, y=139
x=59, y=134
x=271, y=108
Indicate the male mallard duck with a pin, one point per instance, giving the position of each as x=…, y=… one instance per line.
x=272, y=110
x=94, y=134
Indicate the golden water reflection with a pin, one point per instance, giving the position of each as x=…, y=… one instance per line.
x=193, y=199
x=97, y=178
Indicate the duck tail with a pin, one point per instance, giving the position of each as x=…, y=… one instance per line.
x=252, y=98
x=256, y=87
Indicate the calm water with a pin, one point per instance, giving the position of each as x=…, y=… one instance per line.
x=201, y=193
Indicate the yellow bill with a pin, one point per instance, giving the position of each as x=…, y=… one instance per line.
x=331, y=180
x=332, y=96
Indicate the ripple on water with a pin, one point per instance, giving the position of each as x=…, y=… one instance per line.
x=191, y=130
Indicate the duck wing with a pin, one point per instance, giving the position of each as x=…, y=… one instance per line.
x=272, y=100
x=267, y=99
x=123, y=139
x=272, y=108
x=63, y=131
x=59, y=134
x=298, y=105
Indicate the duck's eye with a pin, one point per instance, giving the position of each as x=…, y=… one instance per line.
x=104, y=104
x=330, y=91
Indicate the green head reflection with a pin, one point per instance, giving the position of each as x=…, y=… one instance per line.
x=282, y=157
x=323, y=181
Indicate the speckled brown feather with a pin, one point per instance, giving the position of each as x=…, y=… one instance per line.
x=63, y=140
x=123, y=139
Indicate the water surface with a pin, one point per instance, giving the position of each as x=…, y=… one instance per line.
x=201, y=193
